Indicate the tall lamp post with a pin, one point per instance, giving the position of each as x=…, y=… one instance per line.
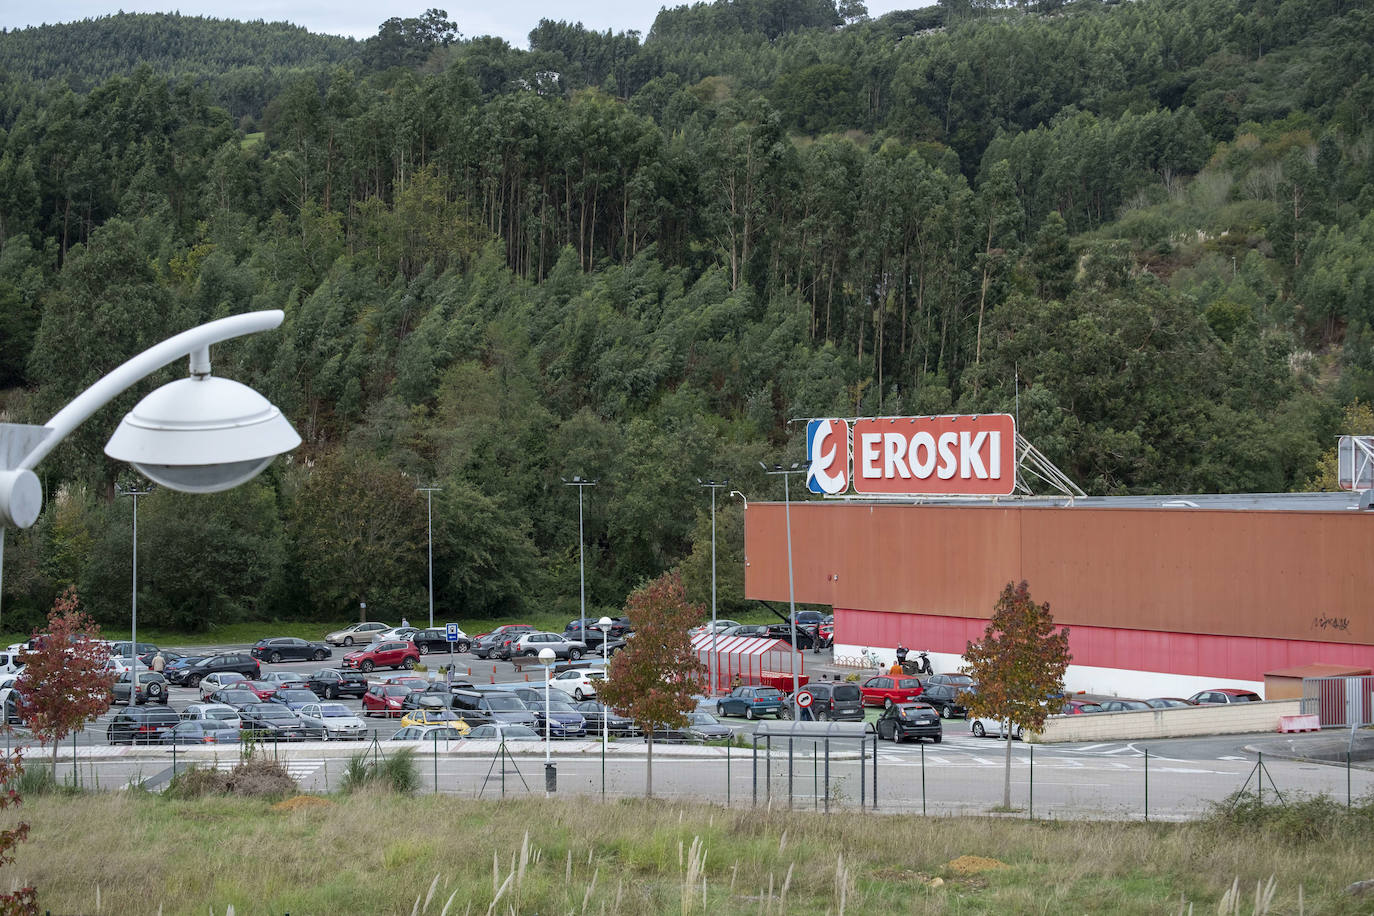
x=133, y=617
x=429, y=530
x=786, y=472
x=715, y=660
x=199, y=434
x=546, y=658
x=604, y=625
x=581, y=559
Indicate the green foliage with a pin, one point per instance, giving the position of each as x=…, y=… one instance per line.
x=394, y=772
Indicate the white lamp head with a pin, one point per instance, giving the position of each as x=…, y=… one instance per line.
x=546, y=656
x=202, y=434
x=605, y=623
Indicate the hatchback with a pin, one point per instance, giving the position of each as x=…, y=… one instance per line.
x=151, y=688
x=201, y=731
x=1222, y=695
x=885, y=690
x=219, y=712
x=945, y=699
x=751, y=701
x=140, y=725
x=384, y=699
x=288, y=648
x=910, y=720
x=218, y=681
x=1122, y=705
x=331, y=683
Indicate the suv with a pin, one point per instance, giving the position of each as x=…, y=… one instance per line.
x=499, y=639
x=389, y=654
x=286, y=648
x=836, y=701
x=358, y=632
x=594, y=635
x=331, y=683
x=533, y=643
x=783, y=631
x=480, y=706
x=140, y=725
x=436, y=640
x=241, y=662
x=152, y=688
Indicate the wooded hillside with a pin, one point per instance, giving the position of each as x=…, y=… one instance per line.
x=636, y=259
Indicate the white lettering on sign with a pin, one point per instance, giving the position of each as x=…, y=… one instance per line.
x=949, y=462
x=892, y=455
x=965, y=455
x=868, y=455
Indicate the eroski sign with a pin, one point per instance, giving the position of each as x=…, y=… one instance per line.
x=969, y=455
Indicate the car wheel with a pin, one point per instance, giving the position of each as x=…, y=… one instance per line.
x=720, y=709
x=462, y=647
x=574, y=654
x=785, y=712
x=154, y=689
x=1018, y=733
x=424, y=648
x=193, y=681
x=367, y=666
x=320, y=655
x=275, y=658
x=937, y=738
x=409, y=663
x=749, y=712
x=331, y=693
x=822, y=716
x=887, y=702
x=978, y=730
x=578, y=694
x=348, y=640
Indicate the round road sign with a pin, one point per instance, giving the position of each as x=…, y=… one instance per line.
x=804, y=699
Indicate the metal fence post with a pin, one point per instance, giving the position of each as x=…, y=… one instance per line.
x=1030, y=794
x=1260, y=782
x=863, y=772
x=436, y=762
x=827, y=775
x=1347, y=779
x=756, y=772
x=815, y=778
x=727, y=771
x=875, y=771
x=923, y=780
x=1147, y=785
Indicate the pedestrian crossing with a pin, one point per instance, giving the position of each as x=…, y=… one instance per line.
x=295, y=768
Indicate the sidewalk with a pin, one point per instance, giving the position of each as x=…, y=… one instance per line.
x=1327, y=746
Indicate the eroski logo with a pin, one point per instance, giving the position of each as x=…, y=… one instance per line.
x=827, y=448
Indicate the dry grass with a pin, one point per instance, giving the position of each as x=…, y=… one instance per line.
x=380, y=853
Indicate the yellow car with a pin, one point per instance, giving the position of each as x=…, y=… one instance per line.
x=435, y=717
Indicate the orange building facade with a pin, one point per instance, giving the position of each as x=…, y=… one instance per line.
x=1160, y=595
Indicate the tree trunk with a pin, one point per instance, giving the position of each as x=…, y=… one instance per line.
x=1006, y=778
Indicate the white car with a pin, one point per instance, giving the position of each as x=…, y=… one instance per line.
x=118, y=664
x=403, y=633
x=217, y=711
x=980, y=728
x=579, y=683
x=720, y=625
x=218, y=681
x=332, y=720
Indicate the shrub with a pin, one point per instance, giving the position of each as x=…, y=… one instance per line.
x=251, y=777
x=396, y=772
x=195, y=782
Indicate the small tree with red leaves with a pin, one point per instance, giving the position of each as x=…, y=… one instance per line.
x=653, y=679
x=1018, y=665
x=24, y=900
x=66, y=681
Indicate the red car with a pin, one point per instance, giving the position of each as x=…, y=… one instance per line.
x=1079, y=707
x=391, y=653
x=413, y=681
x=263, y=690
x=886, y=689
x=384, y=699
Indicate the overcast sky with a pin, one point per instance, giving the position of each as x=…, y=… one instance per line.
x=511, y=19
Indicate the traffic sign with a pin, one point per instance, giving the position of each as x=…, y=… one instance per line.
x=804, y=699
x=451, y=632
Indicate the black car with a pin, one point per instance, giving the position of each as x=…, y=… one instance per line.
x=945, y=699
x=805, y=639
x=237, y=697
x=428, y=699
x=435, y=640
x=241, y=662
x=479, y=706
x=152, y=688
x=289, y=648
x=954, y=680
x=901, y=721
x=616, y=724
x=499, y=639
x=293, y=698
x=594, y=635
x=842, y=702
x=140, y=725
x=273, y=720
x=332, y=683
x=201, y=731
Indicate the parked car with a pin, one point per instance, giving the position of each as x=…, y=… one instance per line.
x=284, y=679
x=220, y=712
x=168, y=658
x=752, y=701
x=223, y=663
x=721, y=627
x=980, y=728
x=140, y=725
x=427, y=733
x=1122, y=705
x=594, y=635
x=427, y=699
x=412, y=681
x=273, y=720
x=616, y=724
x=534, y=643
x=435, y=717
x=152, y=688
x=264, y=689
x=951, y=679
x=564, y=721
x=837, y=700
x=901, y=721
x=332, y=721
x=1222, y=695
x=392, y=654
x=505, y=731
x=1168, y=702
x=700, y=728
x=748, y=630
x=331, y=683
x=479, y=706
x=391, y=634
x=356, y=633
x=288, y=648
x=233, y=696
x=435, y=641
x=173, y=666
x=218, y=681
x=384, y=699
x=805, y=639
x=488, y=645
x=885, y=689
x=1078, y=708
x=579, y=683
x=124, y=648
x=200, y=731
x=293, y=698
x=945, y=699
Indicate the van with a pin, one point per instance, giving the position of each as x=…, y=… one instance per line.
x=836, y=701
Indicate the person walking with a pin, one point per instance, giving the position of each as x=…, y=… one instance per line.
x=405, y=622
x=159, y=662
x=901, y=655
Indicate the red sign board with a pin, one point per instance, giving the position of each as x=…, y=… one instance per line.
x=935, y=456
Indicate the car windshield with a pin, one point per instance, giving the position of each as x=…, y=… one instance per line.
x=702, y=718
x=505, y=704
x=556, y=706
x=335, y=711
x=240, y=696
x=396, y=690
x=219, y=712
x=264, y=711
x=297, y=695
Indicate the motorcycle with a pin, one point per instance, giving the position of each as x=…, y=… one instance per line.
x=919, y=665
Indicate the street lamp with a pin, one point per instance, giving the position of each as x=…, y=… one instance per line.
x=715, y=661
x=791, y=591
x=581, y=560
x=199, y=434
x=133, y=617
x=546, y=658
x=429, y=529
x=604, y=625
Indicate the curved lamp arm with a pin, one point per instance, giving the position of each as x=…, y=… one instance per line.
x=194, y=343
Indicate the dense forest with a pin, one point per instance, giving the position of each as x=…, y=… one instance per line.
x=1147, y=227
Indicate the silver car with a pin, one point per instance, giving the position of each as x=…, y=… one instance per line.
x=334, y=721
x=358, y=633
x=534, y=643
x=220, y=712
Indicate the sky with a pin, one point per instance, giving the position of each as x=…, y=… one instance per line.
x=511, y=20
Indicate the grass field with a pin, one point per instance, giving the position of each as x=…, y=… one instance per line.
x=381, y=853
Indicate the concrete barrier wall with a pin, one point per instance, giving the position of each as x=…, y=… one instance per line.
x=1233, y=718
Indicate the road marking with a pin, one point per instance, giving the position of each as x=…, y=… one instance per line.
x=1233, y=758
